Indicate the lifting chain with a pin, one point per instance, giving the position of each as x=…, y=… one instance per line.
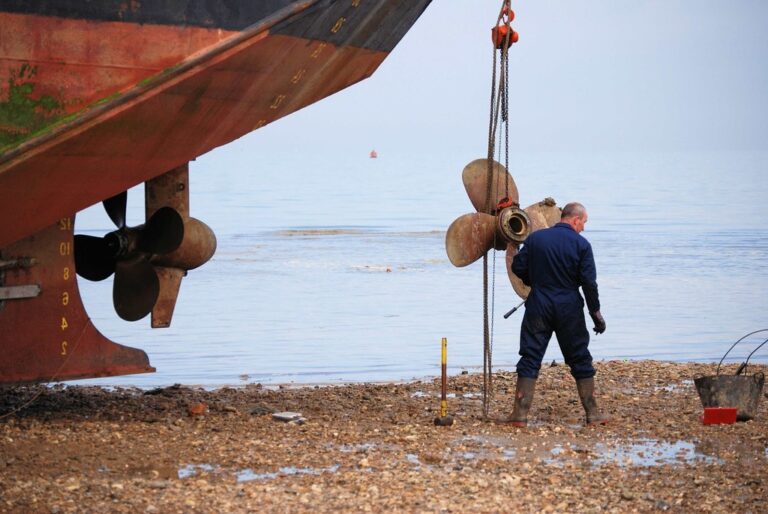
x=503, y=37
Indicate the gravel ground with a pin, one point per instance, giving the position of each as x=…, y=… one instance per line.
x=373, y=447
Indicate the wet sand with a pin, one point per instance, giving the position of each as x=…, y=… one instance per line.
x=367, y=447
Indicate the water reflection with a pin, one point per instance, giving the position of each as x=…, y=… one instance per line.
x=649, y=453
x=191, y=470
x=248, y=475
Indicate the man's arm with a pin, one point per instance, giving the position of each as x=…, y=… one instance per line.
x=520, y=265
x=588, y=278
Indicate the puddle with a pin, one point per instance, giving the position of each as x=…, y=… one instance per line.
x=481, y=447
x=357, y=448
x=191, y=470
x=649, y=453
x=554, y=458
x=423, y=394
x=641, y=453
x=413, y=459
x=248, y=475
x=486, y=440
x=683, y=385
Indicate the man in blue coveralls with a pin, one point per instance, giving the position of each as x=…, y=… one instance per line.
x=554, y=262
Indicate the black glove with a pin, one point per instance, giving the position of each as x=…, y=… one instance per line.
x=597, y=318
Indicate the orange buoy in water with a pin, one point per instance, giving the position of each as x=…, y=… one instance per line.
x=374, y=154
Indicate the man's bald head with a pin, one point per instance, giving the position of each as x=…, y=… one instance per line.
x=575, y=214
x=573, y=209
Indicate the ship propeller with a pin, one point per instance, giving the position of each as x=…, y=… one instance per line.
x=127, y=252
x=499, y=221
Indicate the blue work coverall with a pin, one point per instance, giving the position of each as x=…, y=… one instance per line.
x=554, y=262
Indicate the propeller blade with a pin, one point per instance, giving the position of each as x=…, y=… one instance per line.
x=135, y=289
x=115, y=208
x=547, y=213
x=475, y=178
x=162, y=233
x=93, y=258
x=469, y=237
x=521, y=289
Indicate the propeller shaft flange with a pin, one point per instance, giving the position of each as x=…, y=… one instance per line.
x=514, y=224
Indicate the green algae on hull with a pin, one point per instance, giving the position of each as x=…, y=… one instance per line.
x=23, y=118
x=21, y=114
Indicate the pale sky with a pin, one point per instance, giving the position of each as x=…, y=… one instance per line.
x=589, y=75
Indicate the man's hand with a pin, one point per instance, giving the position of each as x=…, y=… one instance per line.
x=597, y=318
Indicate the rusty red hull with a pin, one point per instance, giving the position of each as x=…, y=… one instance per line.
x=95, y=99
x=114, y=129
x=49, y=336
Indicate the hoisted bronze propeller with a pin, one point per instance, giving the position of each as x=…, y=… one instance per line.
x=501, y=223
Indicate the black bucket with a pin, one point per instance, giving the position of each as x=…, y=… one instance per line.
x=740, y=391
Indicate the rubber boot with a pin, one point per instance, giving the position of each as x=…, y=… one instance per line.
x=523, y=400
x=586, y=387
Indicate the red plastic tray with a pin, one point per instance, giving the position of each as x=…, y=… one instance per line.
x=719, y=415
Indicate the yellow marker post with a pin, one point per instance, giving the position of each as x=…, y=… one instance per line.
x=444, y=384
x=444, y=420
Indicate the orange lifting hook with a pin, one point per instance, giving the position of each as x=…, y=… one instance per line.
x=504, y=203
x=503, y=27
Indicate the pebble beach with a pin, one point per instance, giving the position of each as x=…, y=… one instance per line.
x=374, y=448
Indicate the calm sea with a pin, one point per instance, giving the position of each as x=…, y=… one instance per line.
x=331, y=270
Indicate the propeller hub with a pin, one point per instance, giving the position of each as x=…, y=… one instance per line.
x=120, y=242
x=196, y=248
x=514, y=224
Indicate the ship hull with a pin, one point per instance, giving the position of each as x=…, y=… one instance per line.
x=97, y=97
x=157, y=112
